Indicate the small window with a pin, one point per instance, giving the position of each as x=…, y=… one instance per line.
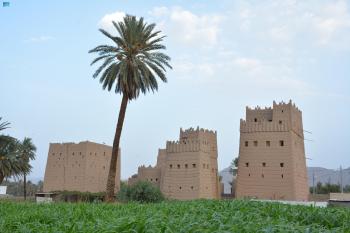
x=79, y=153
x=246, y=143
x=186, y=165
x=151, y=179
x=282, y=176
x=264, y=164
x=255, y=120
x=104, y=167
x=281, y=143
x=262, y=176
x=194, y=165
x=247, y=164
x=280, y=122
x=281, y=164
x=268, y=143
x=73, y=153
x=104, y=153
x=249, y=174
x=53, y=153
x=178, y=166
x=192, y=187
x=60, y=153
x=282, y=111
x=170, y=166
x=255, y=143
x=180, y=187
x=156, y=179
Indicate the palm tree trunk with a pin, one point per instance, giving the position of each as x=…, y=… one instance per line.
x=113, y=165
x=1, y=178
x=25, y=187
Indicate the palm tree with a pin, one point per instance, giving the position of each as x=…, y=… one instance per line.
x=130, y=67
x=3, y=138
x=9, y=163
x=26, y=152
x=4, y=125
x=8, y=159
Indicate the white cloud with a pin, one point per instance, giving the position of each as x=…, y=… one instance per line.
x=248, y=64
x=40, y=39
x=159, y=11
x=332, y=22
x=106, y=21
x=188, y=28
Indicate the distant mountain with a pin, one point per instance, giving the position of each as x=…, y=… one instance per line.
x=325, y=175
x=321, y=174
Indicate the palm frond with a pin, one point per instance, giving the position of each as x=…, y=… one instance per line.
x=135, y=62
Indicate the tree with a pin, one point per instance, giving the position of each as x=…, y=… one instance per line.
x=234, y=166
x=9, y=164
x=141, y=191
x=130, y=67
x=8, y=154
x=4, y=139
x=26, y=152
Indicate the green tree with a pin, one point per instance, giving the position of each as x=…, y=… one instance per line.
x=234, y=166
x=4, y=139
x=8, y=154
x=141, y=191
x=26, y=152
x=130, y=67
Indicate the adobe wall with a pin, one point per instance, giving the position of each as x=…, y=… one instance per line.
x=150, y=174
x=271, y=155
x=187, y=167
x=78, y=167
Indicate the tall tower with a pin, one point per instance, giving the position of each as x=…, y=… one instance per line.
x=272, y=155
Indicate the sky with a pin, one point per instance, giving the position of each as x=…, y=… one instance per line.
x=226, y=55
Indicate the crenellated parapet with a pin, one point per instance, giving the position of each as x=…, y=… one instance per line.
x=283, y=104
x=263, y=126
x=187, y=145
x=196, y=133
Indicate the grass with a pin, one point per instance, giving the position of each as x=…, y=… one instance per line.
x=191, y=216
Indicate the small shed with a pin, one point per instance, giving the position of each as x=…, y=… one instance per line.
x=3, y=190
x=339, y=199
x=45, y=197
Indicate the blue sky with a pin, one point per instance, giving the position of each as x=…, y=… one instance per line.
x=226, y=55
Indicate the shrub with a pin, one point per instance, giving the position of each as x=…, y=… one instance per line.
x=76, y=196
x=142, y=191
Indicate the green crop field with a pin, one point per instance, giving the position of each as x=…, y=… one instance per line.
x=191, y=216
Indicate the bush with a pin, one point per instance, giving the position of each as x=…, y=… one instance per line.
x=142, y=191
x=76, y=196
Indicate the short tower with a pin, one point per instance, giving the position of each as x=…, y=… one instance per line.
x=272, y=155
x=79, y=167
x=186, y=169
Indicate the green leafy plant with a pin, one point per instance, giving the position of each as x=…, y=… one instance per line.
x=200, y=216
x=142, y=191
